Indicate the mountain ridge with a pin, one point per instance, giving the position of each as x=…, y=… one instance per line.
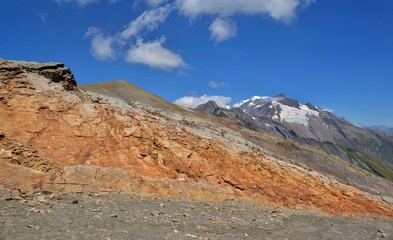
x=382, y=128
x=129, y=92
x=289, y=118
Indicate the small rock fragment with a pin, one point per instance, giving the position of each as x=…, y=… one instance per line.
x=387, y=199
x=57, y=197
x=191, y=236
x=8, y=198
x=35, y=210
x=75, y=201
x=382, y=234
x=41, y=199
x=155, y=213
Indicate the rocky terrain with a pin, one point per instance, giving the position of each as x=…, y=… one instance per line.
x=58, y=138
x=309, y=125
x=113, y=216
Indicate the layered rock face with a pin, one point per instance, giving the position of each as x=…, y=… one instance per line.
x=58, y=138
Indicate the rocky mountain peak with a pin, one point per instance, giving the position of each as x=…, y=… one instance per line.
x=290, y=102
x=281, y=95
x=209, y=107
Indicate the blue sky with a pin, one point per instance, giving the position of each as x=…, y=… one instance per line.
x=335, y=54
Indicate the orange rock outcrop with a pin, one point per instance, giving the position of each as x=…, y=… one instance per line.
x=58, y=138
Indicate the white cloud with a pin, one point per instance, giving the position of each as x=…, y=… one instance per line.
x=192, y=102
x=42, y=16
x=113, y=1
x=222, y=29
x=216, y=85
x=154, y=55
x=155, y=3
x=147, y=20
x=277, y=9
x=92, y=31
x=101, y=46
x=81, y=3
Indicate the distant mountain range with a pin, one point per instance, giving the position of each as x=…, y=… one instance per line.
x=383, y=128
x=308, y=124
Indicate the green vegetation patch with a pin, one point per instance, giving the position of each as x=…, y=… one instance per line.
x=377, y=166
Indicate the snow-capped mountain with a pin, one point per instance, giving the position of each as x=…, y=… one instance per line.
x=278, y=108
x=307, y=124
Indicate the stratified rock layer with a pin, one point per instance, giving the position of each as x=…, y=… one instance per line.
x=56, y=139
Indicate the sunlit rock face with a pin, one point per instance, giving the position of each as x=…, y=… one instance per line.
x=56, y=137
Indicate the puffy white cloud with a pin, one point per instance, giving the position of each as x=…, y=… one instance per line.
x=101, y=46
x=154, y=55
x=192, y=102
x=216, y=85
x=148, y=20
x=222, y=29
x=277, y=9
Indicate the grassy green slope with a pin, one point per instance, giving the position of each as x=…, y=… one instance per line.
x=381, y=168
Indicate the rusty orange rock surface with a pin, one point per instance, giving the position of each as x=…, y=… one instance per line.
x=76, y=144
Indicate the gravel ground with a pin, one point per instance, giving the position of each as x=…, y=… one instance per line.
x=112, y=216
